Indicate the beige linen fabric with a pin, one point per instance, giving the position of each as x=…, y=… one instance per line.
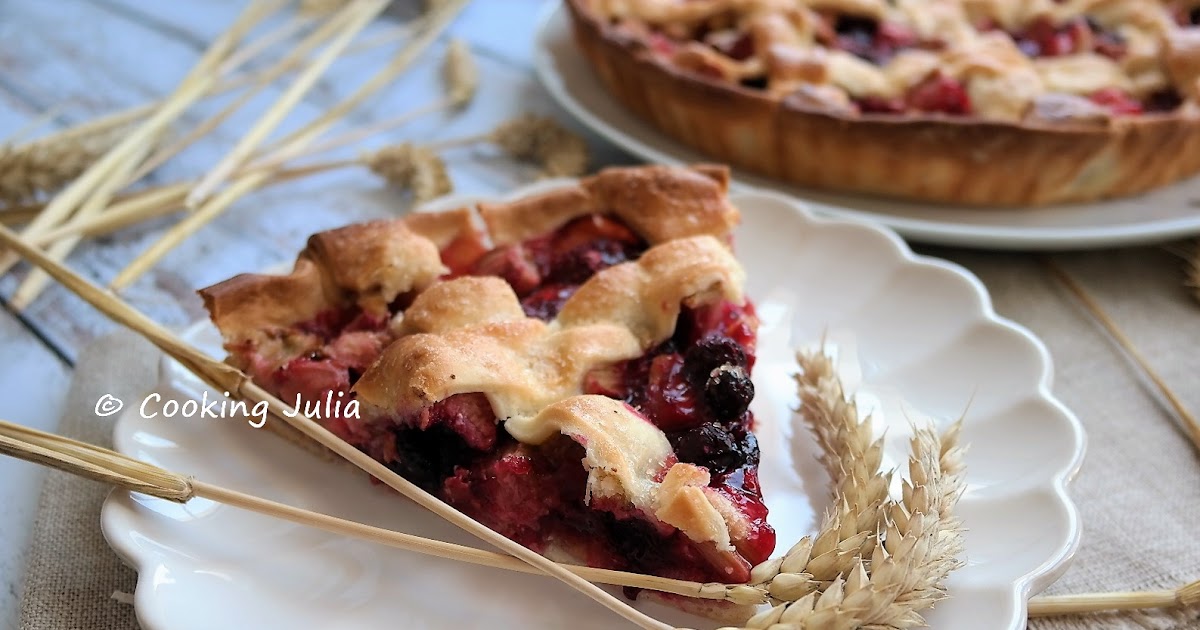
x=72, y=572
x=1138, y=491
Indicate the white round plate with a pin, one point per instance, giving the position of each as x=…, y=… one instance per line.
x=1167, y=213
x=911, y=333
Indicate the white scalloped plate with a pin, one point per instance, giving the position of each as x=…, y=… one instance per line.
x=1169, y=212
x=910, y=332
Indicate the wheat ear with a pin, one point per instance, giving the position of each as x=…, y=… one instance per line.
x=888, y=570
x=34, y=169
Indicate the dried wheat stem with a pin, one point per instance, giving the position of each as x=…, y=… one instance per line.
x=123, y=118
x=261, y=81
x=470, y=555
x=1190, y=424
x=356, y=16
x=461, y=78
x=107, y=466
x=131, y=209
x=28, y=127
x=60, y=157
x=1186, y=595
x=19, y=214
x=290, y=145
x=115, y=164
x=321, y=8
x=146, y=204
x=100, y=125
x=295, y=142
x=252, y=49
x=43, y=166
x=33, y=284
x=388, y=35
x=227, y=378
x=354, y=136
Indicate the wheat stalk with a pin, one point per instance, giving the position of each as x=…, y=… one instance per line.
x=409, y=166
x=352, y=19
x=1191, y=424
x=32, y=170
x=321, y=8
x=460, y=74
x=19, y=213
x=852, y=458
x=1182, y=597
x=292, y=144
x=90, y=193
x=528, y=137
x=540, y=140
x=876, y=562
x=461, y=79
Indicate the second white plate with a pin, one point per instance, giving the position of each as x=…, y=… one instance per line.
x=1167, y=213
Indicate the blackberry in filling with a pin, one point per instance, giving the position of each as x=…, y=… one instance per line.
x=873, y=41
x=695, y=386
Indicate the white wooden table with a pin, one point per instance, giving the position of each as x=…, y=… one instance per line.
x=84, y=58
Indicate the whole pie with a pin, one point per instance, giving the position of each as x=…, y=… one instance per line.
x=983, y=102
x=571, y=369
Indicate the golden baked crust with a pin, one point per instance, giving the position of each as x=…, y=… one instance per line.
x=524, y=364
x=532, y=372
x=371, y=264
x=658, y=202
x=367, y=264
x=1055, y=153
x=470, y=335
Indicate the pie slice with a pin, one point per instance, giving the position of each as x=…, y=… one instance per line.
x=571, y=369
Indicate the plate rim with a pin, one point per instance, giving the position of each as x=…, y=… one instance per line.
x=111, y=519
x=925, y=231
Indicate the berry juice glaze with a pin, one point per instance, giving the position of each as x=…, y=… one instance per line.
x=694, y=386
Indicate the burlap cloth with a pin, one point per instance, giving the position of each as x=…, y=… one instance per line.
x=1138, y=492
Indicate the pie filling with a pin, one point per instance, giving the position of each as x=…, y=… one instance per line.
x=749, y=45
x=695, y=386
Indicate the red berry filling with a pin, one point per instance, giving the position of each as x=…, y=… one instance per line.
x=696, y=386
x=1117, y=101
x=545, y=271
x=939, y=92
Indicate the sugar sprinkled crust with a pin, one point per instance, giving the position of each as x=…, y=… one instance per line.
x=532, y=371
x=470, y=334
x=370, y=264
x=1035, y=141
x=658, y=202
x=524, y=364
